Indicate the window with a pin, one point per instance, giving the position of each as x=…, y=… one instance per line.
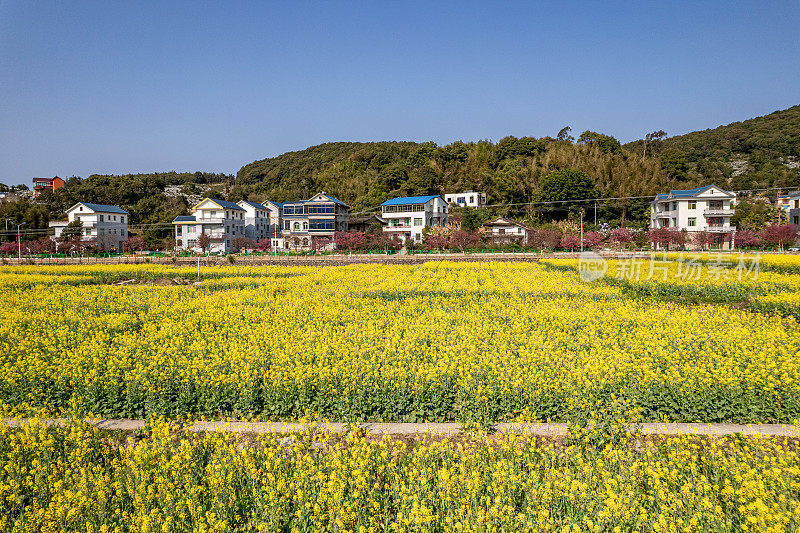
x=417, y=221
x=797, y=204
x=88, y=231
x=191, y=229
x=122, y=219
x=692, y=222
x=191, y=243
x=122, y=232
x=305, y=226
x=101, y=218
x=101, y=231
x=297, y=226
x=693, y=205
x=305, y=242
x=796, y=220
x=213, y=214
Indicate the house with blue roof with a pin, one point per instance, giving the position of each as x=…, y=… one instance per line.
x=700, y=211
x=408, y=216
x=221, y=220
x=312, y=223
x=104, y=225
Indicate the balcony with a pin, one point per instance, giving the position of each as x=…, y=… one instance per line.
x=719, y=212
x=662, y=214
x=721, y=228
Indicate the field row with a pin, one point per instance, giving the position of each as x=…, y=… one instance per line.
x=79, y=478
x=441, y=341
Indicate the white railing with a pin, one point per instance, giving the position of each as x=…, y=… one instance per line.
x=719, y=212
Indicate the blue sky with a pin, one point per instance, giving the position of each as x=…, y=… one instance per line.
x=118, y=87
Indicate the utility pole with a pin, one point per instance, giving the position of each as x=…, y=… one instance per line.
x=19, y=243
x=595, y=215
x=581, y=230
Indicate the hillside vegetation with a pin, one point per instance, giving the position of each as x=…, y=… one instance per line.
x=510, y=171
x=757, y=153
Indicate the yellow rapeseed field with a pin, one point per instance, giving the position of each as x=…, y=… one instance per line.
x=79, y=478
x=440, y=341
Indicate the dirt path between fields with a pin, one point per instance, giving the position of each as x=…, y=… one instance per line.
x=442, y=429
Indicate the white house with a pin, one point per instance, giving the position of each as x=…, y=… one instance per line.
x=105, y=224
x=466, y=199
x=221, y=220
x=261, y=221
x=312, y=222
x=505, y=231
x=409, y=215
x=708, y=208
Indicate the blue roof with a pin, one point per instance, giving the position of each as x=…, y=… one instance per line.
x=104, y=208
x=276, y=204
x=185, y=218
x=406, y=200
x=254, y=204
x=684, y=193
x=336, y=200
x=328, y=196
x=224, y=203
x=678, y=193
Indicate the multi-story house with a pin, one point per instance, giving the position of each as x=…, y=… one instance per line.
x=504, y=231
x=466, y=199
x=221, y=220
x=107, y=225
x=42, y=184
x=261, y=221
x=794, y=208
x=408, y=216
x=311, y=223
x=708, y=209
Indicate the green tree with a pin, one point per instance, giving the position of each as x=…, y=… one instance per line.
x=673, y=162
x=755, y=214
x=472, y=218
x=566, y=185
x=564, y=134
x=606, y=143
x=73, y=229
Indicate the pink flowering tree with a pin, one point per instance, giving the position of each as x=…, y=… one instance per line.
x=463, y=239
x=545, y=239
x=702, y=239
x=779, y=235
x=593, y=239
x=746, y=238
x=354, y=240
x=571, y=241
x=621, y=237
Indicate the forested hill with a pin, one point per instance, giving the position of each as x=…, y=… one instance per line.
x=509, y=171
x=755, y=153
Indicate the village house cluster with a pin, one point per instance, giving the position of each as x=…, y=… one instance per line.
x=312, y=223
